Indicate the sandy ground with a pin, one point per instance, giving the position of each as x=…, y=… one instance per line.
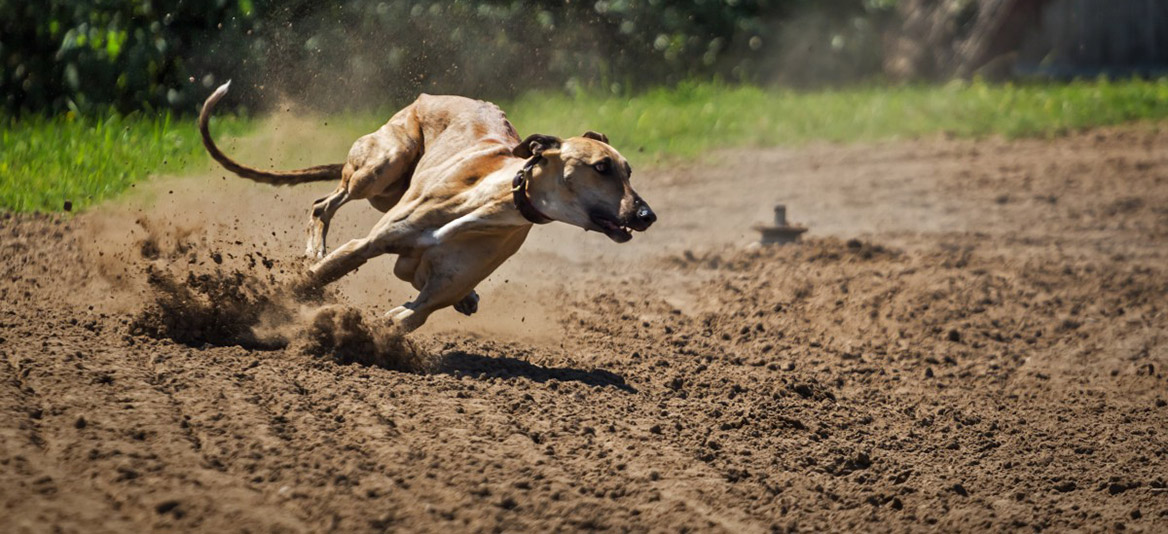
x=973, y=337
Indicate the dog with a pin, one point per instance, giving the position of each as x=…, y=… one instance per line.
x=460, y=192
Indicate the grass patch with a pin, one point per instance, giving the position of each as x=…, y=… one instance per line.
x=44, y=162
x=692, y=118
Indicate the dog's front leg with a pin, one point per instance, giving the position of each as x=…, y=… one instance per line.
x=469, y=304
x=448, y=275
x=390, y=235
x=343, y=260
x=442, y=281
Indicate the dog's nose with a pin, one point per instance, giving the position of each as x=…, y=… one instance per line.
x=645, y=214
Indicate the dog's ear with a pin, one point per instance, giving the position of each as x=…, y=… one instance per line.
x=596, y=135
x=535, y=144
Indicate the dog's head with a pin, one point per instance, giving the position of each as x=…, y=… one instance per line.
x=584, y=181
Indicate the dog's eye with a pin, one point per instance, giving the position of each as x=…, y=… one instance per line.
x=601, y=167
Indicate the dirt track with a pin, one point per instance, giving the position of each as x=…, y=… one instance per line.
x=973, y=338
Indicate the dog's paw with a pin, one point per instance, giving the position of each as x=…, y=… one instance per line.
x=469, y=304
x=314, y=253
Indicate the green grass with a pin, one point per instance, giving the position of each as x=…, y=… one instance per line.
x=690, y=119
x=44, y=162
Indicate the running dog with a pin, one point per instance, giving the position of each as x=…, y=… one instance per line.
x=460, y=192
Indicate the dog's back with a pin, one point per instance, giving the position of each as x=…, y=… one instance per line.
x=454, y=124
x=463, y=140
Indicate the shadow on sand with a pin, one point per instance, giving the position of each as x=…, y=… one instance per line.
x=479, y=366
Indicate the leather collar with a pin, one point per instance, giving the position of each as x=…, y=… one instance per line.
x=519, y=193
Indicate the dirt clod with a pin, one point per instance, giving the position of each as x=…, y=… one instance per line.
x=342, y=335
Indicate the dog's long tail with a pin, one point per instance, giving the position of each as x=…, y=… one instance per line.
x=299, y=176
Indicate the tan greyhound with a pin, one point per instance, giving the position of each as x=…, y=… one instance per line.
x=460, y=192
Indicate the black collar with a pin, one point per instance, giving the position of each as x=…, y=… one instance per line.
x=519, y=193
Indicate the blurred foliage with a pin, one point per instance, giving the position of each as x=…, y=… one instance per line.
x=87, y=56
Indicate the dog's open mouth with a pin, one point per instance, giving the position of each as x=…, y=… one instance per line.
x=614, y=230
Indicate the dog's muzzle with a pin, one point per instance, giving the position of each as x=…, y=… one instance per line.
x=643, y=217
x=621, y=229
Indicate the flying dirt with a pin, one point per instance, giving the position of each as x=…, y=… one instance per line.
x=972, y=336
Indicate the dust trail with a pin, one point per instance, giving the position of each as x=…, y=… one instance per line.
x=243, y=299
x=218, y=308
x=232, y=307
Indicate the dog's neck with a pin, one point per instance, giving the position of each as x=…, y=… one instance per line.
x=521, y=192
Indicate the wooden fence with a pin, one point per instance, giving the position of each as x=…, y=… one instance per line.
x=1093, y=37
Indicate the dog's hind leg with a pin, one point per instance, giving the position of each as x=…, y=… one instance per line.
x=322, y=213
x=378, y=169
